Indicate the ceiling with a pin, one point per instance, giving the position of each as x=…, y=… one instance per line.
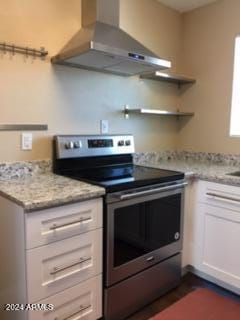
x=185, y=5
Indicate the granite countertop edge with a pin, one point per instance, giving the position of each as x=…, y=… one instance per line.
x=33, y=186
x=33, y=206
x=231, y=181
x=44, y=191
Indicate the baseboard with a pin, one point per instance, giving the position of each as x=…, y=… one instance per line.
x=185, y=270
x=209, y=278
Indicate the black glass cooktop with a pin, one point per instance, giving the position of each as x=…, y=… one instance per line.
x=122, y=177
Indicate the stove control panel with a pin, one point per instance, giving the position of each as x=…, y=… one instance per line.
x=67, y=146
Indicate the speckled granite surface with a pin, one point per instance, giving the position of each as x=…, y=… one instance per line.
x=206, y=166
x=23, y=169
x=34, y=187
x=206, y=158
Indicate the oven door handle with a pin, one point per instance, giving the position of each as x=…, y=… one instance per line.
x=152, y=191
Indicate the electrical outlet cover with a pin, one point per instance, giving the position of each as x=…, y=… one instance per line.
x=104, y=126
x=27, y=141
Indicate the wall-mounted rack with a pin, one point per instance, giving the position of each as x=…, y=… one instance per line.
x=13, y=49
x=144, y=111
x=23, y=127
x=168, y=77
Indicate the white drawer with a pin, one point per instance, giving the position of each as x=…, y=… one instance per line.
x=68, y=304
x=62, y=264
x=219, y=195
x=54, y=224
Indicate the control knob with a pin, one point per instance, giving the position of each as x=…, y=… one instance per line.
x=127, y=143
x=121, y=143
x=69, y=145
x=77, y=144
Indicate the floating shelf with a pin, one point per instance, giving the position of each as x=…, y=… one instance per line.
x=23, y=127
x=168, y=77
x=143, y=111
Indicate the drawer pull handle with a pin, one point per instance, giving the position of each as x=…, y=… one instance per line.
x=222, y=197
x=150, y=259
x=81, y=308
x=74, y=263
x=55, y=226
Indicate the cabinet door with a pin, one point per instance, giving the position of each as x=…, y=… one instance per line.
x=215, y=238
x=62, y=264
x=81, y=302
x=220, y=246
x=55, y=224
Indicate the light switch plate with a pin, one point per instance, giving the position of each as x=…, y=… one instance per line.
x=26, y=141
x=104, y=126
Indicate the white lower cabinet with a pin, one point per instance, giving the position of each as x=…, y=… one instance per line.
x=221, y=241
x=82, y=301
x=51, y=262
x=62, y=264
x=214, y=248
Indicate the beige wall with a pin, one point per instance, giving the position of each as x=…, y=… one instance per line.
x=71, y=100
x=207, y=53
x=155, y=25
x=74, y=101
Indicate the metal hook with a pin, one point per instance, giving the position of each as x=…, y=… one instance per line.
x=13, y=49
x=42, y=51
x=4, y=48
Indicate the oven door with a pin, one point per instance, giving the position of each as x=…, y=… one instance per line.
x=142, y=228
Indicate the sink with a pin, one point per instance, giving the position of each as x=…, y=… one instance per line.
x=235, y=174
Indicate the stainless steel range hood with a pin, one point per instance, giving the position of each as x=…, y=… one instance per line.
x=102, y=46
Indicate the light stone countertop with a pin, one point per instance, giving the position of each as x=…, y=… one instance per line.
x=45, y=190
x=198, y=170
x=33, y=186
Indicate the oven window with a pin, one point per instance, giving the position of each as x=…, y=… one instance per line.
x=145, y=227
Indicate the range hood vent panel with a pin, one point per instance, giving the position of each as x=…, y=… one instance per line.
x=95, y=59
x=129, y=68
x=106, y=48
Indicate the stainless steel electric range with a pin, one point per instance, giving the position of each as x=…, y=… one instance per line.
x=143, y=210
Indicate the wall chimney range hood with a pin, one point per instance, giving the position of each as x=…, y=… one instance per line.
x=101, y=45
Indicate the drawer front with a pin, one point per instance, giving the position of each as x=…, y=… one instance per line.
x=62, y=264
x=83, y=301
x=219, y=195
x=55, y=224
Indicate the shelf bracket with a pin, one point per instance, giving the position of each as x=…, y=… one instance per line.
x=126, y=111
